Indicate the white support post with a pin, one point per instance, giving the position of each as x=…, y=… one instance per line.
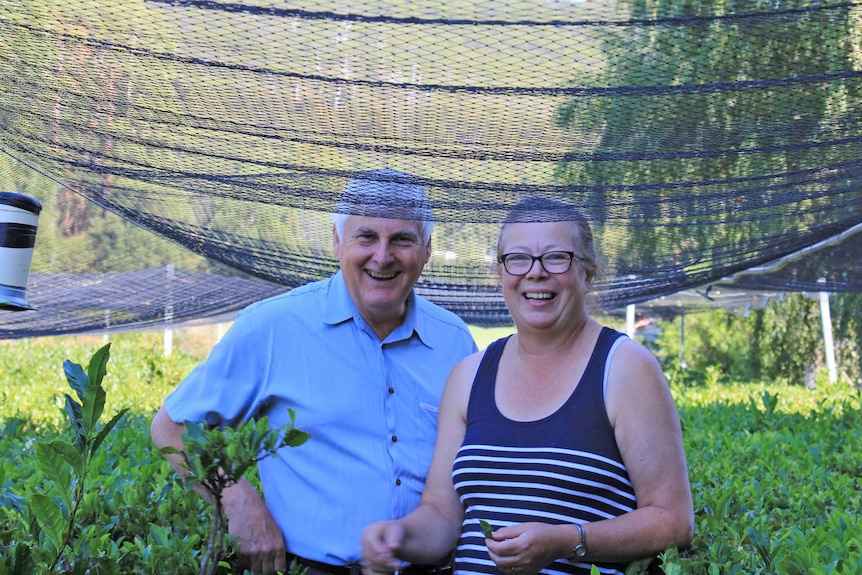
x=630, y=320
x=826, y=321
x=630, y=313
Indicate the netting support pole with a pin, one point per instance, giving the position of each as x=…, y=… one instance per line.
x=826, y=321
x=168, y=335
x=630, y=320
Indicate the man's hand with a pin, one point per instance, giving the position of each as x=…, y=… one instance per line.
x=380, y=543
x=260, y=543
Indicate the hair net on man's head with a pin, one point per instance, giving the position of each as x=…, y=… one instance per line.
x=385, y=194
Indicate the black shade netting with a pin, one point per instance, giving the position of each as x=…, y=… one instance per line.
x=188, y=153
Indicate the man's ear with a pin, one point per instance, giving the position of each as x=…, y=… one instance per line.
x=336, y=241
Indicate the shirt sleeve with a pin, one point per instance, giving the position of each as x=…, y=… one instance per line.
x=228, y=387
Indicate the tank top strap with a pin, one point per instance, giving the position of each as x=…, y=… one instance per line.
x=598, y=367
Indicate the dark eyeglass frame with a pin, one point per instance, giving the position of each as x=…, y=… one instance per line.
x=540, y=258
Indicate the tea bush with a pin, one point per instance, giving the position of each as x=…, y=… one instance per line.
x=776, y=474
x=776, y=470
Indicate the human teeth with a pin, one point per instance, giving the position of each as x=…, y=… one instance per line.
x=538, y=295
x=379, y=276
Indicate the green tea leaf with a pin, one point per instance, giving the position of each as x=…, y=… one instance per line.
x=49, y=458
x=486, y=528
x=669, y=561
x=76, y=418
x=98, y=367
x=50, y=517
x=106, y=430
x=12, y=501
x=66, y=451
x=295, y=438
x=94, y=405
x=160, y=534
x=638, y=566
x=762, y=544
x=770, y=402
x=78, y=380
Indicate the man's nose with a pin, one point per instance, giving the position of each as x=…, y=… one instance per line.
x=383, y=251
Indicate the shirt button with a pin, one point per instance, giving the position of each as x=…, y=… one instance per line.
x=394, y=439
x=397, y=482
x=391, y=390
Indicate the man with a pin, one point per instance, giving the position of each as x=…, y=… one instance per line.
x=361, y=359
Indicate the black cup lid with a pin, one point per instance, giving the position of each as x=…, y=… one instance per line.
x=21, y=201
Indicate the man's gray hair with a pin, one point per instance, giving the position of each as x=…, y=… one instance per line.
x=385, y=194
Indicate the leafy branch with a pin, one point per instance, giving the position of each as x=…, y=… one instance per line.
x=57, y=514
x=217, y=458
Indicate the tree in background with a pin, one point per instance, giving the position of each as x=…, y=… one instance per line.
x=790, y=340
x=846, y=311
x=705, y=115
x=781, y=342
x=714, y=341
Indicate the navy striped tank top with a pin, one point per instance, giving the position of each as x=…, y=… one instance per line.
x=564, y=468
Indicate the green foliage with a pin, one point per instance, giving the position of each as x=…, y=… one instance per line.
x=125, y=523
x=32, y=382
x=792, y=338
x=782, y=342
x=846, y=311
x=774, y=471
x=216, y=458
x=79, y=500
x=66, y=465
x=636, y=567
x=716, y=343
x=632, y=135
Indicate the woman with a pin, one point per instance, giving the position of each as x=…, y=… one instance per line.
x=563, y=438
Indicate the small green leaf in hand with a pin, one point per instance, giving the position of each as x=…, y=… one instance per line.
x=486, y=528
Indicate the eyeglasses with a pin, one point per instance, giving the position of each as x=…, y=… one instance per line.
x=552, y=262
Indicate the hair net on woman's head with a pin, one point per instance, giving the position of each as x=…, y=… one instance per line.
x=531, y=210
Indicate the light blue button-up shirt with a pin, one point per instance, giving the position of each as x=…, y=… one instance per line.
x=369, y=405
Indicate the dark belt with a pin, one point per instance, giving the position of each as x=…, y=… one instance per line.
x=318, y=568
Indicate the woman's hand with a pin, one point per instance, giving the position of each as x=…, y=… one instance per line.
x=526, y=548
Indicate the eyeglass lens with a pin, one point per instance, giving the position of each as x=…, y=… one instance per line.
x=552, y=262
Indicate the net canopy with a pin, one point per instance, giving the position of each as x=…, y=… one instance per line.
x=187, y=154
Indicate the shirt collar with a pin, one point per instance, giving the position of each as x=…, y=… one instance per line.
x=340, y=308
